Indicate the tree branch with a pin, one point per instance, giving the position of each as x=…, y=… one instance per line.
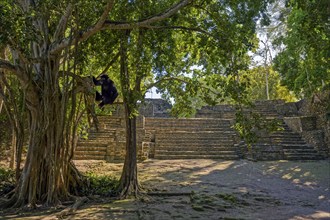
x=166, y=14
x=180, y=80
x=103, y=24
x=60, y=29
x=181, y=28
x=19, y=51
x=165, y=79
x=4, y=64
x=104, y=15
x=97, y=27
x=110, y=64
x=146, y=22
x=17, y=70
x=59, y=46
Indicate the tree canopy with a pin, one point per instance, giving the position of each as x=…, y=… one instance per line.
x=303, y=61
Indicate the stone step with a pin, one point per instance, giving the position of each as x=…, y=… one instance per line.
x=192, y=121
x=100, y=140
x=94, y=142
x=191, y=140
x=301, y=157
x=190, y=128
x=109, y=127
x=195, y=144
x=295, y=146
x=173, y=157
x=184, y=136
x=289, y=141
x=195, y=137
x=100, y=134
x=198, y=122
x=91, y=148
x=286, y=136
x=200, y=131
x=176, y=120
x=286, y=133
x=89, y=157
x=90, y=153
x=165, y=152
x=300, y=151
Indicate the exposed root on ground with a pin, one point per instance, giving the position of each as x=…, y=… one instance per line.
x=72, y=209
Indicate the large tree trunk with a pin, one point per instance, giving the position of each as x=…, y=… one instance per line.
x=129, y=179
x=48, y=176
x=44, y=178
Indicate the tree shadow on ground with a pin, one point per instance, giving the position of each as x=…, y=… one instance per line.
x=254, y=190
x=217, y=189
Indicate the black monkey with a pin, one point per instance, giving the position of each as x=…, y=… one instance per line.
x=108, y=90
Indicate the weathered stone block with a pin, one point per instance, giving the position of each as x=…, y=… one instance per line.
x=266, y=152
x=308, y=123
x=316, y=138
x=301, y=123
x=287, y=109
x=148, y=150
x=294, y=123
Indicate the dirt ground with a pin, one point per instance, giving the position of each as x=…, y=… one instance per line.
x=212, y=189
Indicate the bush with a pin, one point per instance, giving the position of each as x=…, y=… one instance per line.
x=102, y=185
x=7, y=180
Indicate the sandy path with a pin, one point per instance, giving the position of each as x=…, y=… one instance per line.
x=217, y=189
x=227, y=189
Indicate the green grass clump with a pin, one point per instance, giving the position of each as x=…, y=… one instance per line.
x=7, y=180
x=103, y=185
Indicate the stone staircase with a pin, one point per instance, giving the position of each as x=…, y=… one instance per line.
x=109, y=142
x=267, y=108
x=89, y=150
x=282, y=145
x=290, y=144
x=195, y=138
x=218, y=111
x=95, y=147
x=293, y=145
x=211, y=137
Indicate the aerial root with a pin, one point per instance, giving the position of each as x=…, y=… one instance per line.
x=72, y=209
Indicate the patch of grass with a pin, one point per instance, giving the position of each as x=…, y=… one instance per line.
x=7, y=180
x=202, y=199
x=103, y=185
x=197, y=207
x=227, y=197
x=200, y=202
x=6, y=174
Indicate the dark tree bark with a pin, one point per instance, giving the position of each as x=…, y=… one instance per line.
x=48, y=176
x=129, y=184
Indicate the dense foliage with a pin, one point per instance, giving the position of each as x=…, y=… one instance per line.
x=256, y=89
x=304, y=60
